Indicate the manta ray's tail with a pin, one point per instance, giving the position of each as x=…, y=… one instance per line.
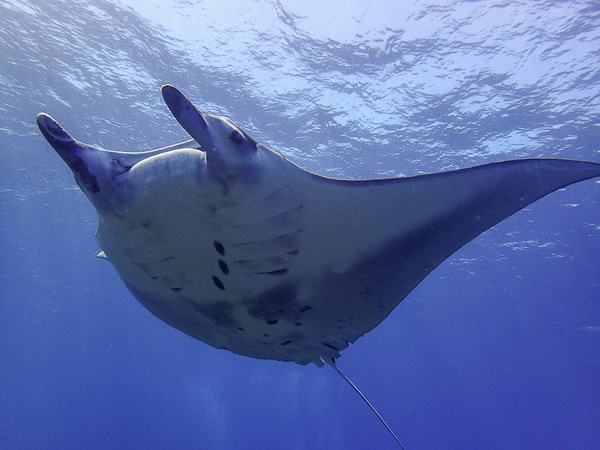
x=332, y=363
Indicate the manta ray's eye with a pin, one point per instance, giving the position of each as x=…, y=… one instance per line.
x=236, y=137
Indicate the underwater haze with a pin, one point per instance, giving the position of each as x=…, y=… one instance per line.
x=498, y=348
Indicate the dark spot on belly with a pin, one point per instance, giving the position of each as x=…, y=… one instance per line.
x=298, y=324
x=272, y=322
x=266, y=335
x=268, y=305
x=220, y=312
x=286, y=342
x=223, y=266
x=218, y=283
x=306, y=308
x=219, y=248
x=176, y=289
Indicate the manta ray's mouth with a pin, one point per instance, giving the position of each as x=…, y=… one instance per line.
x=120, y=168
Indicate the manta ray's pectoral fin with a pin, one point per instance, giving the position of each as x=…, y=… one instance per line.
x=386, y=236
x=478, y=198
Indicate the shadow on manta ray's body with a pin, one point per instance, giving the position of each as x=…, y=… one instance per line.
x=231, y=243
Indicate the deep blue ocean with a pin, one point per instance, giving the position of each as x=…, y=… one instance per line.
x=499, y=348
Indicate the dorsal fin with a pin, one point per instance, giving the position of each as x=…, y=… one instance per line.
x=332, y=363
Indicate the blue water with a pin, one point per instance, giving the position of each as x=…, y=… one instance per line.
x=498, y=348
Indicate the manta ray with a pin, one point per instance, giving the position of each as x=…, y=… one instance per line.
x=231, y=243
